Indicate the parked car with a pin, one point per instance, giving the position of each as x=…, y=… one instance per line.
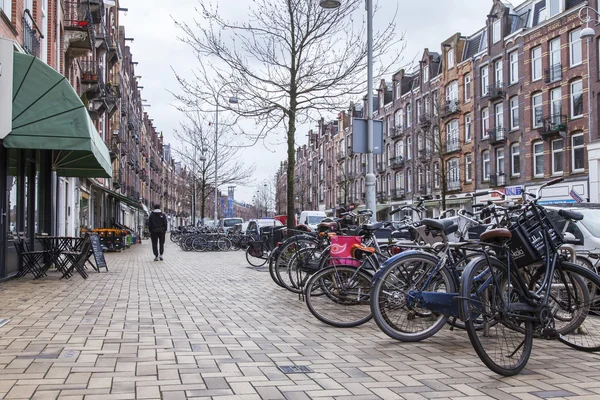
x=311, y=218
x=586, y=231
x=254, y=225
x=226, y=224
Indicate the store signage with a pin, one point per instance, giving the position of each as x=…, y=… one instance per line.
x=6, y=83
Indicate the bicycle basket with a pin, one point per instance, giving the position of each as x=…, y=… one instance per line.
x=255, y=249
x=340, y=250
x=527, y=244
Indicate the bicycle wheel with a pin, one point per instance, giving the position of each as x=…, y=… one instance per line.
x=223, y=244
x=255, y=261
x=502, y=339
x=339, y=296
x=199, y=244
x=395, y=295
x=303, y=263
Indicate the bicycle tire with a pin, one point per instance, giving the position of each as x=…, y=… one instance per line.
x=223, y=244
x=391, y=302
x=473, y=295
x=255, y=261
x=338, y=291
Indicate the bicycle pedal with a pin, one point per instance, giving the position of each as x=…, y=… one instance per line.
x=549, y=333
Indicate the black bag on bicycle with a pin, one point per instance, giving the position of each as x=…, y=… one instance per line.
x=255, y=249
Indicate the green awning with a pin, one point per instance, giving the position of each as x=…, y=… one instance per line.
x=49, y=115
x=380, y=207
x=124, y=199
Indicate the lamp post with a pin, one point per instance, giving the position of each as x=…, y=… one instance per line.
x=232, y=100
x=371, y=201
x=588, y=33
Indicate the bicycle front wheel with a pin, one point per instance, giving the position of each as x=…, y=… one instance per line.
x=254, y=261
x=339, y=296
x=502, y=338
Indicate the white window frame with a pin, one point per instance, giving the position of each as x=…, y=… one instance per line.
x=514, y=113
x=6, y=7
x=450, y=58
x=468, y=128
x=408, y=180
x=515, y=155
x=453, y=170
x=468, y=167
x=572, y=95
x=467, y=87
x=554, y=7
x=400, y=149
x=499, y=115
x=500, y=161
x=409, y=148
x=534, y=105
x=538, y=154
x=555, y=151
x=399, y=119
x=452, y=91
x=536, y=64
x=408, y=115
x=577, y=147
x=485, y=80
x=425, y=72
x=436, y=175
x=496, y=31
x=485, y=165
x=514, y=67
x=555, y=104
x=485, y=122
x=554, y=52
x=498, y=73
x=575, y=47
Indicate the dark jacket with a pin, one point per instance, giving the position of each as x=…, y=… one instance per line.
x=157, y=222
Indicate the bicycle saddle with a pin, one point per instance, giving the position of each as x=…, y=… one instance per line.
x=572, y=215
x=499, y=233
x=444, y=225
x=372, y=227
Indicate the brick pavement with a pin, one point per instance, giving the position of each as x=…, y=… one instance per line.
x=203, y=325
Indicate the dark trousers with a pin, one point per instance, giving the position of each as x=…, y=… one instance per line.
x=156, y=238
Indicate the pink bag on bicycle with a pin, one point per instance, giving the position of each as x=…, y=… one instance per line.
x=340, y=250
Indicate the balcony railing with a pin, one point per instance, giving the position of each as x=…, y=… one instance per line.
x=31, y=41
x=380, y=167
x=397, y=132
x=424, y=155
x=450, y=107
x=554, y=73
x=494, y=91
x=382, y=197
x=497, y=180
x=341, y=157
x=397, y=162
x=452, y=185
x=425, y=121
x=553, y=125
x=497, y=135
x=90, y=70
x=397, y=194
x=452, y=145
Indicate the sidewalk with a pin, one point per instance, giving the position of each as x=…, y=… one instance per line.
x=202, y=325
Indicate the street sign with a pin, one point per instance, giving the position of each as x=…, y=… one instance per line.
x=6, y=83
x=575, y=196
x=359, y=136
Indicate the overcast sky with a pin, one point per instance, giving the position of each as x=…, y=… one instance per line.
x=426, y=23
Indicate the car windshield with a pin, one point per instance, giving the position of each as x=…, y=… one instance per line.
x=232, y=221
x=315, y=219
x=591, y=220
x=269, y=222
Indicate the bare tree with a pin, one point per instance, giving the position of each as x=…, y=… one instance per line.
x=198, y=153
x=291, y=60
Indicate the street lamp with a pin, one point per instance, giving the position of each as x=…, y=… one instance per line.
x=232, y=100
x=370, y=176
x=588, y=33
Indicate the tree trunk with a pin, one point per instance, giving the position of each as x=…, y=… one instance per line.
x=291, y=134
x=203, y=207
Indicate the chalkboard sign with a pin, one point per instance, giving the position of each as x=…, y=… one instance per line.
x=98, y=252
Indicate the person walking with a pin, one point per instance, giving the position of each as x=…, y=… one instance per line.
x=157, y=225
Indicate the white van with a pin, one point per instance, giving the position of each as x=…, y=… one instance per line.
x=311, y=218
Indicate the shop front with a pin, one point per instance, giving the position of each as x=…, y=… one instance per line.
x=51, y=146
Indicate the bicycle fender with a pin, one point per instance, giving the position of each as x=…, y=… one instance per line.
x=390, y=261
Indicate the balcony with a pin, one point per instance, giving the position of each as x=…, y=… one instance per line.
x=425, y=121
x=497, y=180
x=450, y=107
x=397, y=194
x=553, y=74
x=497, y=135
x=552, y=126
x=96, y=8
x=382, y=197
x=453, y=185
x=79, y=34
x=494, y=91
x=381, y=167
x=424, y=155
x=397, y=132
x=452, y=145
x=31, y=41
x=341, y=157
x=397, y=162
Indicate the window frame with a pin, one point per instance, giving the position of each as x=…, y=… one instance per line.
x=425, y=73
x=536, y=61
x=535, y=158
x=496, y=31
x=572, y=101
x=514, y=155
x=575, y=33
x=575, y=148
x=468, y=166
x=485, y=163
x=499, y=115
x=468, y=128
x=436, y=175
x=533, y=108
x=485, y=122
x=554, y=153
x=485, y=79
x=499, y=73
x=450, y=58
x=499, y=153
x=513, y=74
x=6, y=8
x=467, y=87
x=514, y=112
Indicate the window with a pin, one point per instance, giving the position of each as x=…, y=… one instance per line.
x=425, y=73
x=555, y=65
x=536, y=63
x=575, y=47
x=436, y=175
x=409, y=180
x=485, y=161
x=399, y=119
x=408, y=148
x=400, y=149
x=538, y=159
x=450, y=58
x=452, y=142
x=408, y=115
x=419, y=108
x=428, y=176
x=419, y=177
x=388, y=155
x=468, y=132
x=514, y=113
x=496, y=35
x=468, y=167
x=6, y=7
x=499, y=113
x=577, y=151
x=452, y=91
x=576, y=99
x=498, y=73
x=500, y=161
x=453, y=173
x=398, y=91
x=485, y=81
x=399, y=180
x=554, y=7
x=557, y=156
x=427, y=105
x=515, y=155
x=514, y=67
x=485, y=122
x=555, y=105
x=467, y=87
x=536, y=108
